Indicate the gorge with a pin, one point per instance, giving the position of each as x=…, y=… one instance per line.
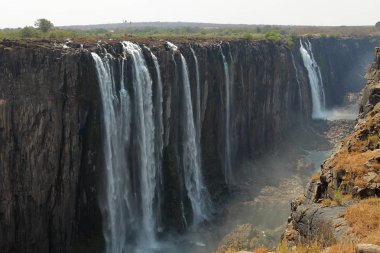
x=124, y=144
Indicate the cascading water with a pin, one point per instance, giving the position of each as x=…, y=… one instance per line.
x=196, y=190
x=227, y=151
x=127, y=214
x=159, y=133
x=315, y=79
x=117, y=210
x=145, y=129
x=198, y=99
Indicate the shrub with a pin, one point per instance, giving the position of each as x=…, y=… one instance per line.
x=273, y=36
x=28, y=32
x=338, y=197
x=326, y=202
x=248, y=36
x=373, y=141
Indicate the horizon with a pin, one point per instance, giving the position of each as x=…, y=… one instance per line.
x=241, y=12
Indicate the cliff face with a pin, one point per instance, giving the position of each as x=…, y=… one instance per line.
x=48, y=99
x=343, y=63
x=349, y=176
x=51, y=155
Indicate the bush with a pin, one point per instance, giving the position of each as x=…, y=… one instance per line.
x=28, y=32
x=248, y=36
x=373, y=141
x=273, y=36
x=338, y=197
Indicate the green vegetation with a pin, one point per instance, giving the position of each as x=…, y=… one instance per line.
x=273, y=36
x=45, y=30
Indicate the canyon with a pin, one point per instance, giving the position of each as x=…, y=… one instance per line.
x=117, y=145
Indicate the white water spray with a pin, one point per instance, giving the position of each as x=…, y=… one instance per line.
x=315, y=79
x=198, y=98
x=196, y=190
x=227, y=151
x=159, y=133
x=142, y=86
x=116, y=130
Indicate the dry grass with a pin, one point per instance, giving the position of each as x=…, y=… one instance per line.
x=300, y=248
x=338, y=199
x=261, y=250
x=327, y=202
x=364, y=220
x=230, y=251
x=315, y=177
x=373, y=141
x=360, y=182
x=342, y=248
x=300, y=197
x=356, y=155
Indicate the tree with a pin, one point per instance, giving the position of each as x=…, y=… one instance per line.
x=43, y=24
x=377, y=24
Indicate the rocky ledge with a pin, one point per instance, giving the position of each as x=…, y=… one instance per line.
x=341, y=205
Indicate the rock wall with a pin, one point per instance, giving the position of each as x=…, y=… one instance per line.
x=49, y=133
x=50, y=130
x=351, y=174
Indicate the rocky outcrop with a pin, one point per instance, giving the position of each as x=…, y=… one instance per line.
x=350, y=174
x=50, y=129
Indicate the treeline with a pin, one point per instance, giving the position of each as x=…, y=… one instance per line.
x=44, y=29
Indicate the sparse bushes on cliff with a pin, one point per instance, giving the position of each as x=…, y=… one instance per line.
x=28, y=32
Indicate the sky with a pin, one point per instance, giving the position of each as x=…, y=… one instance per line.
x=20, y=13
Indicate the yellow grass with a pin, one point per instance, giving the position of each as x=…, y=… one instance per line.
x=315, y=177
x=342, y=248
x=364, y=220
x=261, y=250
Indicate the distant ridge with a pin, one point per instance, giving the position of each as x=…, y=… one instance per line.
x=173, y=25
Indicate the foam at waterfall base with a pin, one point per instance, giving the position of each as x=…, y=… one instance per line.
x=339, y=113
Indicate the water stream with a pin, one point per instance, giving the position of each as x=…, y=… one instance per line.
x=315, y=80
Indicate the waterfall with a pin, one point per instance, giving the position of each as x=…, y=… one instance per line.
x=198, y=99
x=315, y=79
x=117, y=210
x=174, y=49
x=145, y=129
x=159, y=132
x=196, y=190
x=227, y=150
x=129, y=205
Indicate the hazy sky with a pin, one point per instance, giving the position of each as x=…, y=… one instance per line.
x=19, y=13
